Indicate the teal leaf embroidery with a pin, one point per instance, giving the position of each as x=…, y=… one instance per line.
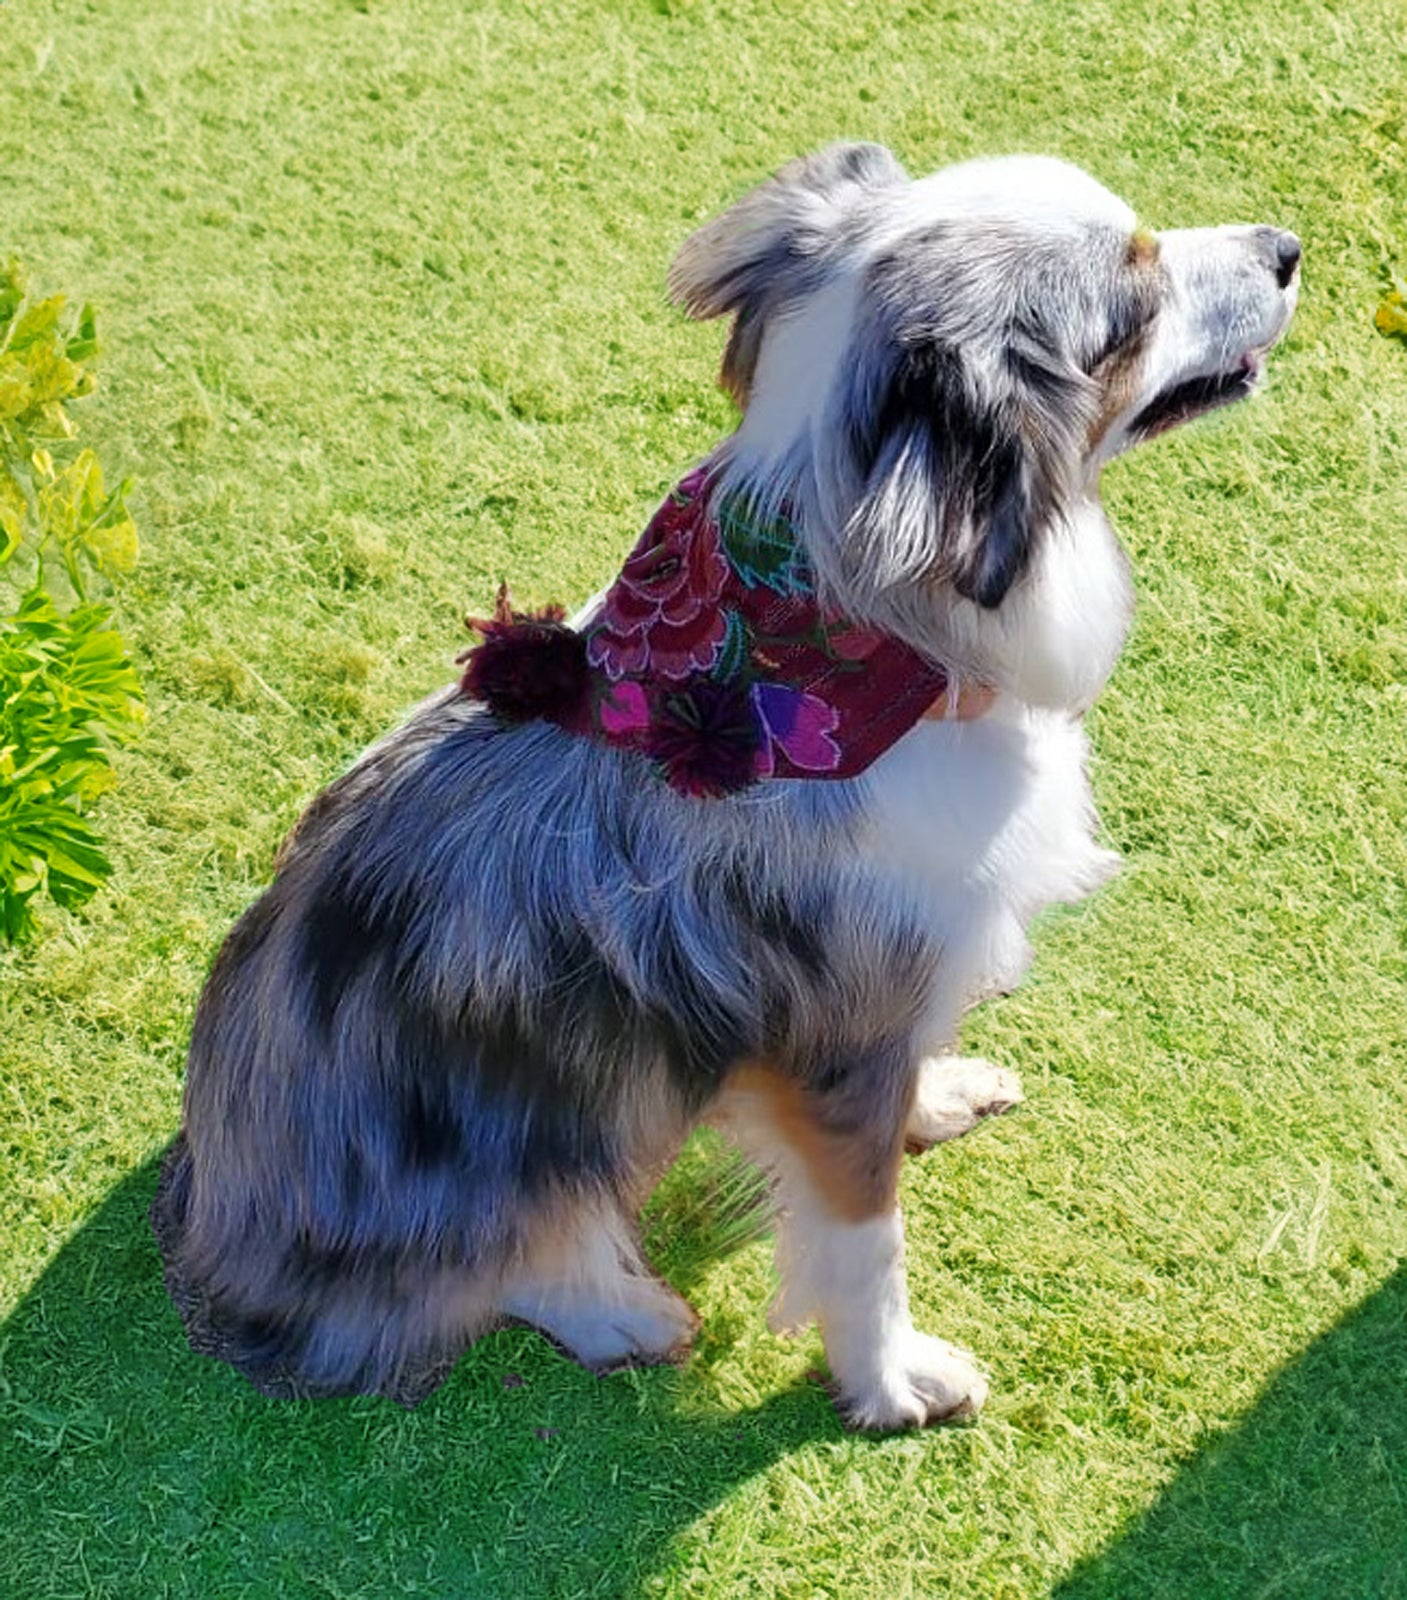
x=762, y=553
x=736, y=650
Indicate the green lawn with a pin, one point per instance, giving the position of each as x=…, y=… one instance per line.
x=381, y=289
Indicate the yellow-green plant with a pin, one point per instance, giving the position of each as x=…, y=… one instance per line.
x=1391, y=315
x=65, y=675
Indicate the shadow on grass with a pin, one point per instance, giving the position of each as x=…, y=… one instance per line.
x=1306, y=1499
x=130, y=1467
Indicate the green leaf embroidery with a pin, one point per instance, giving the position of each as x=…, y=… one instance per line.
x=762, y=553
x=735, y=651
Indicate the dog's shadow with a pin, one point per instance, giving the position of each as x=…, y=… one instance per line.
x=163, y=1472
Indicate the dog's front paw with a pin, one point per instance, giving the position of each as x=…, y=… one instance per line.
x=954, y=1094
x=924, y=1380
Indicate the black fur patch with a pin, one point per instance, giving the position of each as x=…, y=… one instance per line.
x=430, y=1132
x=344, y=931
x=779, y=922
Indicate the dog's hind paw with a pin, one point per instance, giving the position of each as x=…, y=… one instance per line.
x=645, y=1325
x=924, y=1380
x=954, y=1094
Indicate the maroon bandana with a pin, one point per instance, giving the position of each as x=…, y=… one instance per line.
x=712, y=655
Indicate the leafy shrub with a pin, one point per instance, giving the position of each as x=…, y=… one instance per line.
x=64, y=670
x=1391, y=315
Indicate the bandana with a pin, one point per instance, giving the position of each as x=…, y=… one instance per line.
x=712, y=656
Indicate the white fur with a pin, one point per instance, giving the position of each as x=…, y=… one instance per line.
x=954, y=1094
x=798, y=369
x=888, y=1373
x=1056, y=638
x=849, y=1278
x=982, y=824
x=596, y=1297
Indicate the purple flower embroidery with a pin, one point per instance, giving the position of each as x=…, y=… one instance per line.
x=797, y=723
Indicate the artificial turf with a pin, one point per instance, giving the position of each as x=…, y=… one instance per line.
x=380, y=286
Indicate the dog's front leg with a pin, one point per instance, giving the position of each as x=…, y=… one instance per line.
x=955, y=1094
x=887, y=1374
x=835, y=1155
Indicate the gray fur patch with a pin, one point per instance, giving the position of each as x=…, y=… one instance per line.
x=774, y=245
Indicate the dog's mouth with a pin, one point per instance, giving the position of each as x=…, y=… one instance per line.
x=1195, y=396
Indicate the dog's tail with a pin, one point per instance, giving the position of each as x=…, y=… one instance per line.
x=309, y=1334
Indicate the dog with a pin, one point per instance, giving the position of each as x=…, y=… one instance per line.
x=687, y=861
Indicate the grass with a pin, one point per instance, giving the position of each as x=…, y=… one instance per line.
x=381, y=289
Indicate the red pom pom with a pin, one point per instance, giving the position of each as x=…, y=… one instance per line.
x=706, y=737
x=527, y=666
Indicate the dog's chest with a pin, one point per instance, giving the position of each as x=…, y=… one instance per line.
x=989, y=820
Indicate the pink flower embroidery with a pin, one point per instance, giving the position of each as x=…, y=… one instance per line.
x=661, y=616
x=624, y=709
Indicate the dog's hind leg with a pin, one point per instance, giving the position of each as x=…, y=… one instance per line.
x=588, y=1287
x=955, y=1094
x=834, y=1153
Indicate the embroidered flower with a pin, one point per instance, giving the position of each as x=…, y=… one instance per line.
x=661, y=615
x=624, y=709
x=798, y=724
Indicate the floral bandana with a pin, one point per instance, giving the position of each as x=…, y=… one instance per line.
x=712, y=655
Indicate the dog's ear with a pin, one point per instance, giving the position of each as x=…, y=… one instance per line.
x=772, y=245
x=956, y=463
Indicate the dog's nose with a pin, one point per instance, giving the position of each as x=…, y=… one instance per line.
x=1287, y=252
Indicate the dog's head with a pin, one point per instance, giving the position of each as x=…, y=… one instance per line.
x=937, y=369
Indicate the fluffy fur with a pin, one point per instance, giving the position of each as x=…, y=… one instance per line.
x=502, y=970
